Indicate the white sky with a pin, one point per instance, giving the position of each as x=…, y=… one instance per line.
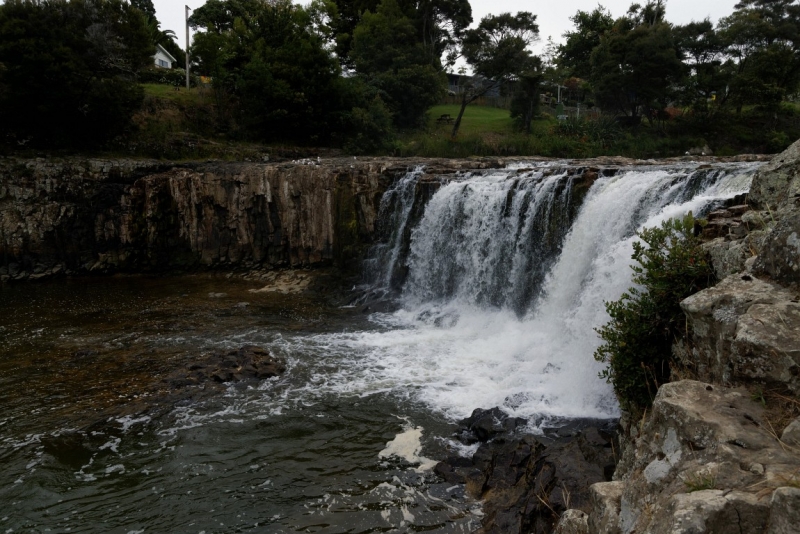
x=553, y=15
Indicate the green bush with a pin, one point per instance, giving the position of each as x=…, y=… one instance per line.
x=637, y=341
x=176, y=77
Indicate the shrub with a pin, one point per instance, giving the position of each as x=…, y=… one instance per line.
x=637, y=341
x=175, y=77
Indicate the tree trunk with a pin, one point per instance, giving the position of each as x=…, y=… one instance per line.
x=457, y=124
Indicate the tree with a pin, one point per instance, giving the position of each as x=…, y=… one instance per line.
x=146, y=7
x=575, y=54
x=525, y=102
x=671, y=264
x=70, y=70
x=763, y=40
x=437, y=25
x=388, y=56
x=703, y=51
x=636, y=65
x=275, y=76
x=498, y=52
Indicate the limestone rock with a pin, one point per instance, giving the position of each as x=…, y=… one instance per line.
x=711, y=512
x=605, y=501
x=572, y=522
x=784, y=516
x=791, y=434
x=704, y=462
x=777, y=183
x=779, y=255
x=743, y=330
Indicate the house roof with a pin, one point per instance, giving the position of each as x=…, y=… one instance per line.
x=164, y=51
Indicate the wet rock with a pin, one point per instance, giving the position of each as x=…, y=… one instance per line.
x=484, y=425
x=526, y=485
x=247, y=363
x=69, y=448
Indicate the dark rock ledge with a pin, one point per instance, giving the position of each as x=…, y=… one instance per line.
x=526, y=482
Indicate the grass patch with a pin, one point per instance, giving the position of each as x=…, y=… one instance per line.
x=699, y=482
x=476, y=119
x=179, y=95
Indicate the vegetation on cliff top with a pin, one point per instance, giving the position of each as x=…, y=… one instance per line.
x=365, y=77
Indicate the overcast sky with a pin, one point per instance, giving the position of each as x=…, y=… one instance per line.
x=553, y=15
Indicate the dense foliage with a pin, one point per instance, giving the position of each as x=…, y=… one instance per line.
x=498, y=51
x=363, y=74
x=637, y=341
x=388, y=56
x=68, y=70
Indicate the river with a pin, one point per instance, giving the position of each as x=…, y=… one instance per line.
x=502, y=280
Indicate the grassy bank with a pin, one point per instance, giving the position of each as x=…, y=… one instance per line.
x=487, y=131
x=189, y=124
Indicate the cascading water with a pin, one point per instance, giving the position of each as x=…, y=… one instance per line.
x=502, y=295
x=500, y=278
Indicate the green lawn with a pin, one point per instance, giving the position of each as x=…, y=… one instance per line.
x=181, y=95
x=476, y=119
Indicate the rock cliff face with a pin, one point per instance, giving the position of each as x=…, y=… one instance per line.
x=78, y=216
x=706, y=458
x=105, y=216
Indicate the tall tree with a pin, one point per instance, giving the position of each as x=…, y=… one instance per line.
x=763, y=40
x=390, y=58
x=575, y=54
x=498, y=52
x=70, y=70
x=703, y=51
x=272, y=68
x=636, y=65
x=437, y=25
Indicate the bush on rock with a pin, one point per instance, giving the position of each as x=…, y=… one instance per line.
x=670, y=266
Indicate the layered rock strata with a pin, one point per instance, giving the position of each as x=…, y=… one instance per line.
x=77, y=216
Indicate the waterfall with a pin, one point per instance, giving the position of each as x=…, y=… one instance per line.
x=506, y=275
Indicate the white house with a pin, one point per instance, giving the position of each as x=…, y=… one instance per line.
x=163, y=58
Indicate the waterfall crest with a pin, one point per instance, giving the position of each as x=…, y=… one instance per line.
x=506, y=273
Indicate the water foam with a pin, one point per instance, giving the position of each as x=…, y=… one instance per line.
x=464, y=340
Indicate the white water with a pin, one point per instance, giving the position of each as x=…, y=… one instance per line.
x=462, y=341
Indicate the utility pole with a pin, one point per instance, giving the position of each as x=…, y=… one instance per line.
x=187, y=45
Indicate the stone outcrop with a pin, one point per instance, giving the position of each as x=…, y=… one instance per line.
x=706, y=457
x=524, y=483
x=97, y=216
x=704, y=461
x=743, y=331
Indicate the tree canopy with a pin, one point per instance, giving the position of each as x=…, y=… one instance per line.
x=498, y=52
x=69, y=70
